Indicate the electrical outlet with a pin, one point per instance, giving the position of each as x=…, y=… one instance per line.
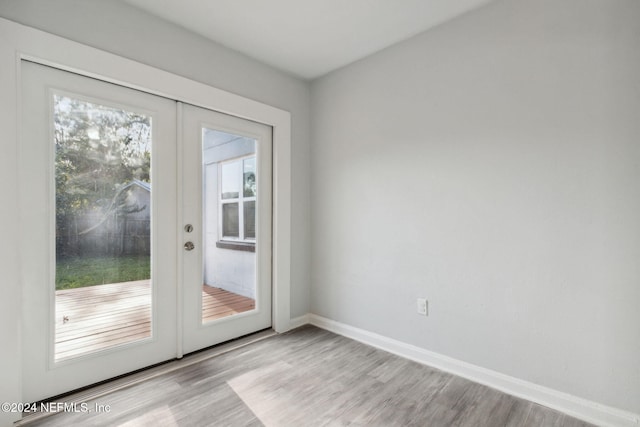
x=423, y=306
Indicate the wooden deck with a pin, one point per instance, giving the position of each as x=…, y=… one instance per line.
x=98, y=317
x=217, y=303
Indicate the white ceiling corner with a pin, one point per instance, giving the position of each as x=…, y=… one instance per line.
x=307, y=38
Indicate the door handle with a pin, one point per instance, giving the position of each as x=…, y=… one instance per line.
x=189, y=246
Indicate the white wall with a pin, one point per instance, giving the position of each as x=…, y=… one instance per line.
x=230, y=269
x=121, y=29
x=491, y=165
x=10, y=379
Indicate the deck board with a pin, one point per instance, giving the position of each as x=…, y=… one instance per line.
x=218, y=303
x=113, y=314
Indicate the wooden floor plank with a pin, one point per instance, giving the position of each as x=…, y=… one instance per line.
x=105, y=335
x=97, y=317
x=307, y=377
x=218, y=303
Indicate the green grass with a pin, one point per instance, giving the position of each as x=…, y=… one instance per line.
x=79, y=272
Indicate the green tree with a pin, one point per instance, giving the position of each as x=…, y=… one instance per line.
x=98, y=150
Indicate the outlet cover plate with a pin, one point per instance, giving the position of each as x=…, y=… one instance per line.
x=423, y=306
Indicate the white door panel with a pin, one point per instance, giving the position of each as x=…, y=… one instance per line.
x=227, y=275
x=87, y=115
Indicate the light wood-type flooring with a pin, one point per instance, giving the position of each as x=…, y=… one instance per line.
x=309, y=377
x=97, y=317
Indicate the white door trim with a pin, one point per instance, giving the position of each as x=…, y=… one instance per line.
x=18, y=42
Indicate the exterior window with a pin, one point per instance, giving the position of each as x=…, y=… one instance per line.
x=238, y=200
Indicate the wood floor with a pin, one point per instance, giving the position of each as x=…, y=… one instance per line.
x=96, y=317
x=217, y=303
x=310, y=377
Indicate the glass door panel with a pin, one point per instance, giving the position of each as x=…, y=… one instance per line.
x=229, y=184
x=103, y=227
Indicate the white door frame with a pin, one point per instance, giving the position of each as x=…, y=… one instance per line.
x=18, y=42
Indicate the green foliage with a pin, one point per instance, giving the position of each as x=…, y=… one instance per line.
x=98, y=150
x=78, y=272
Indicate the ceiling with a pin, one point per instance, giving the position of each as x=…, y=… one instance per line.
x=307, y=38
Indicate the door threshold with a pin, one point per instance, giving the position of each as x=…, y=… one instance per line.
x=104, y=388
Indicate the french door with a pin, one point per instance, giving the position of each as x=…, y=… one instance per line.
x=146, y=229
x=226, y=214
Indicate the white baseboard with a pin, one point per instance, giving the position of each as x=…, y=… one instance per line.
x=296, y=322
x=583, y=409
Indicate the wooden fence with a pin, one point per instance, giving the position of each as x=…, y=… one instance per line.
x=117, y=235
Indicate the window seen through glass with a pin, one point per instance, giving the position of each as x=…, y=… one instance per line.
x=238, y=218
